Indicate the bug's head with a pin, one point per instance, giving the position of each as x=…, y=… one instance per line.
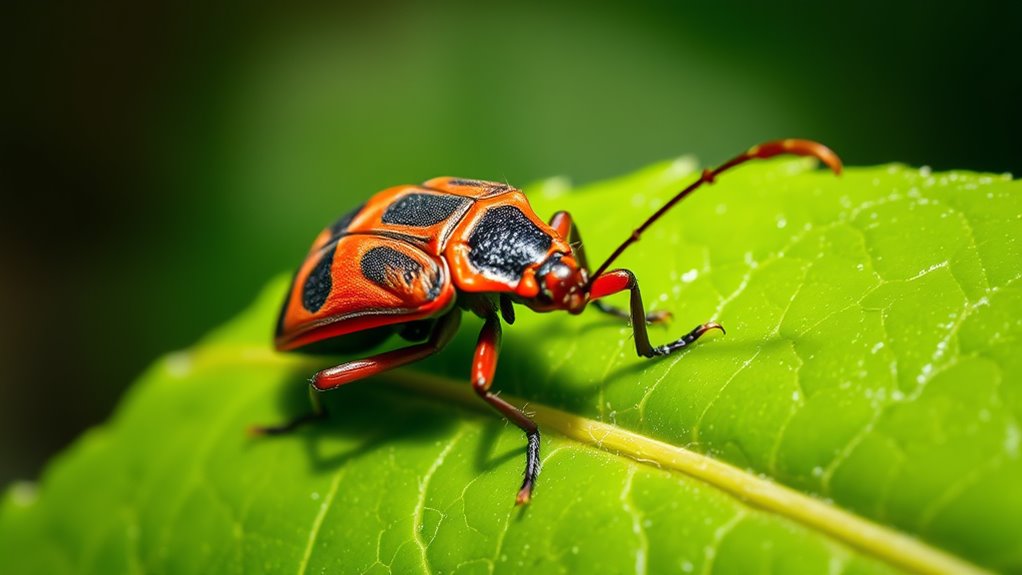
x=561, y=283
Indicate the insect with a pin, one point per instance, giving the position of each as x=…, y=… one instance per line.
x=413, y=258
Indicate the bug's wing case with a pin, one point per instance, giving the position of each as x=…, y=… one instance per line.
x=386, y=261
x=424, y=216
x=358, y=282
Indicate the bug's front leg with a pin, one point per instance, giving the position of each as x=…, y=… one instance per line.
x=484, y=364
x=564, y=225
x=620, y=280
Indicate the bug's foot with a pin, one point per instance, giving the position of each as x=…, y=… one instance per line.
x=301, y=420
x=531, y=468
x=687, y=339
x=264, y=430
x=524, y=494
x=707, y=327
x=659, y=317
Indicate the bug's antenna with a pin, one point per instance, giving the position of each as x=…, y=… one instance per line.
x=760, y=152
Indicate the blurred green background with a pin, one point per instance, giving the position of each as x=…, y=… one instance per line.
x=162, y=161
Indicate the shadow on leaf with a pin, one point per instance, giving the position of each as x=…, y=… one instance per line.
x=372, y=415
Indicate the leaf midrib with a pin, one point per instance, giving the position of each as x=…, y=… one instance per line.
x=887, y=544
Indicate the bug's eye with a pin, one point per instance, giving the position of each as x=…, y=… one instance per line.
x=549, y=276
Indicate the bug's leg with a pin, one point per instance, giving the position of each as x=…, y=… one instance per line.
x=507, y=309
x=620, y=280
x=337, y=376
x=659, y=316
x=564, y=225
x=318, y=412
x=484, y=364
x=348, y=372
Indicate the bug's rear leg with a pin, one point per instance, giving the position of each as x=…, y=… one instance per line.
x=620, y=280
x=331, y=378
x=317, y=413
x=484, y=364
x=564, y=225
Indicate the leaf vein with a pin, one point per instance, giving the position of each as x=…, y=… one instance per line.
x=317, y=521
x=420, y=504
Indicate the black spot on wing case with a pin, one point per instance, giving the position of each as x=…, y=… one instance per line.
x=423, y=210
x=318, y=284
x=398, y=272
x=505, y=242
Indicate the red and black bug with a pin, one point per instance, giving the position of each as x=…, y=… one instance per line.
x=412, y=258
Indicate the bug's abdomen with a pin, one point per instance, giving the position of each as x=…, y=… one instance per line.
x=359, y=282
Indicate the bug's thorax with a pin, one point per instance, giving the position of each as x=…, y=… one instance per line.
x=500, y=245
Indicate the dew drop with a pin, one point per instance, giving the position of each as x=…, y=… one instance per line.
x=924, y=373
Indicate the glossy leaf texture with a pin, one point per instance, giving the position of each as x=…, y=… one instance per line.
x=870, y=362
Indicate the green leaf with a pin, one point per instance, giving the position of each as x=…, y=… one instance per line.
x=860, y=416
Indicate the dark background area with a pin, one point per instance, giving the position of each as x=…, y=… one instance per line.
x=162, y=161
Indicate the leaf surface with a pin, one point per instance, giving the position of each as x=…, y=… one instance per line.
x=867, y=385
